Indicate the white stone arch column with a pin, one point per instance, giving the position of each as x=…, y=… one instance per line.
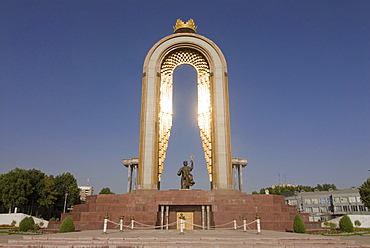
x=221, y=145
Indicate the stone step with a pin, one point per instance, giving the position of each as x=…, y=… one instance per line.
x=151, y=242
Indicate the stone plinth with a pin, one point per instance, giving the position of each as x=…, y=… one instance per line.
x=147, y=206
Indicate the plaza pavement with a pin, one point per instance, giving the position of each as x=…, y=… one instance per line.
x=171, y=238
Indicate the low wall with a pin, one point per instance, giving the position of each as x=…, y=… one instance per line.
x=364, y=219
x=7, y=219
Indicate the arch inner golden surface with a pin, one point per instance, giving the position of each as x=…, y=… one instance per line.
x=199, y=62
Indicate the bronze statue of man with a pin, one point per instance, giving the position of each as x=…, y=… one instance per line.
x=186, y=177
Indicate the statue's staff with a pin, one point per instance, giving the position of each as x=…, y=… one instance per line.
x=191, y=161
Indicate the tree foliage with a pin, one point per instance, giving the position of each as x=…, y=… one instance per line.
x=365, y=192
x=35, y=178
x=47, y=194
x=67, y=184
x=346, y=225
x=106, y=191
x=299, y=226
x=288, y=190
x=325, y=187
x=34, y=192
x=15, y=188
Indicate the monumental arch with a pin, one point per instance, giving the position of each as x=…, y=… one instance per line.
x=206, y=209
x=185, y=47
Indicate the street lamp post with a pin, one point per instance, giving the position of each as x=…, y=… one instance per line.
x=65, y=201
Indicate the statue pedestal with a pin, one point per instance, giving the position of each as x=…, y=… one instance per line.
x=207, y=208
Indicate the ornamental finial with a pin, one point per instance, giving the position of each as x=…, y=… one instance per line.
x=188, y=27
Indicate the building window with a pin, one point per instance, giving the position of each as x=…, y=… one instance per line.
x=338, y=208
x=354, y=208
x=292, y=202
x=336, y=199
x=307, y=201
x=308, y=210
x=315, y=201
x=315, y=209
x=314, y=218
x=346, y=209
x=323, y=210
x=362, y=208
x=322, y=200
x=352, y=199
x=344, y=199
x=323, y=218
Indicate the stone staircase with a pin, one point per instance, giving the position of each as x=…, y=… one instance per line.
x=172, y=239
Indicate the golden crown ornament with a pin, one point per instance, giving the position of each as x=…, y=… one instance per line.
x=188, y=27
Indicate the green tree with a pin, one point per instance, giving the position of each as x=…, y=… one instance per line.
x=285, y=190
x=298, y=225
x=35, y=178
x=47, y=193
x=106, y=191
x=346, y=225
x=66, y=185
x=305, y=188
x=326, y=187
x=15, y=188
x=365, y=192
x=289, y=190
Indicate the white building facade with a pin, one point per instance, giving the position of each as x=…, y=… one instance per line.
x=325, y=205
x=85, y=191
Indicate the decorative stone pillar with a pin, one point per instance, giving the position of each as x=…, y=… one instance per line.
x=132, y=169
x=237, y=165
x=208, y=208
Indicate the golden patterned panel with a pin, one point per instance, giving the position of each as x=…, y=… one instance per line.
x=188, y=218
x=170, y=62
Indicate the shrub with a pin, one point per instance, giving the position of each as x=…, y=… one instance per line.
x=346, y=225
x=36, y=227
x=13, y=223
x=333, y=226
x=67, y=225
x=53, y=219
x=357, y=223
x=298, y=225
x=27, y=224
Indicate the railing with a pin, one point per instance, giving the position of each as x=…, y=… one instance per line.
x=232, y=225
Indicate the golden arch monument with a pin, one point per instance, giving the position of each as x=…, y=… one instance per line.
x=206, y=209
x=184, y=47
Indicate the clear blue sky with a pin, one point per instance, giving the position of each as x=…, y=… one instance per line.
x=299, y=85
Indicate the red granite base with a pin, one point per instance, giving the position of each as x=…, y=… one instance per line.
x=224, y=205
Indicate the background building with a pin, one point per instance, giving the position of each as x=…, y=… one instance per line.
x=284, y=185
x=85, y=191
x=325, y=205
